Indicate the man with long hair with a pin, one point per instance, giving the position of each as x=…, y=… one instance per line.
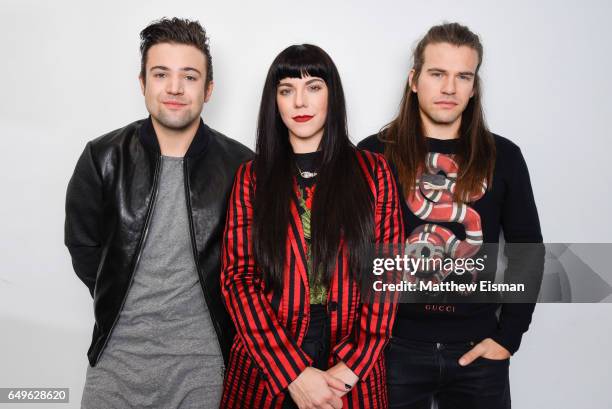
x=144, y=213
x=462, y=186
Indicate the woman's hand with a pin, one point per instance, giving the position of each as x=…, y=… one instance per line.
x=316, y=389
x=343, y=373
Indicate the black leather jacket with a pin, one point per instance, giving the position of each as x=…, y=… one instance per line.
x=108, y=209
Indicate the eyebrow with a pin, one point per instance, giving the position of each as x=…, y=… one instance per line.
x=286, y=84
x=468, y=73
x=314, y=80
x=164, y=68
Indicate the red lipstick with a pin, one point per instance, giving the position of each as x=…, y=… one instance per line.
x=302, y=118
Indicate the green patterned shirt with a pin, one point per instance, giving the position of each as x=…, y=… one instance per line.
x=306, y=187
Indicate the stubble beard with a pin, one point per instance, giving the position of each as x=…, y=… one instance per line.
x=438, y=119
x=175, y=123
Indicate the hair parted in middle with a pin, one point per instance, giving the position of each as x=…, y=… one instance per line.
x=342, y=202
x=404, y=138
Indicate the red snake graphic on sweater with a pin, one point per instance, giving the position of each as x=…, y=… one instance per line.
x=432, y=201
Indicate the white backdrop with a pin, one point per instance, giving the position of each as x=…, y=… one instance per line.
x=69, y=73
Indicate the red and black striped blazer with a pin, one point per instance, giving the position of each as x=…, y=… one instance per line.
x=266, y=355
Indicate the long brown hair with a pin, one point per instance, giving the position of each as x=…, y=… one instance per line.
x=405, y=144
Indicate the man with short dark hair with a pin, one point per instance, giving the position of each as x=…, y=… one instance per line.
x=145, y=210
x=462, y=186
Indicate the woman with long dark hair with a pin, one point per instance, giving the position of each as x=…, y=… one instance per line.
x=301, y=218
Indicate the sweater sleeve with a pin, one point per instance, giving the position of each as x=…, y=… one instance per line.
x=520, y=224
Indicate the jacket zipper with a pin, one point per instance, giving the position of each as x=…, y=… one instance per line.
x=139, y=253
x=195, y=257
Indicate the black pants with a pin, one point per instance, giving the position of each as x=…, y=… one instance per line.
x=421, y=373
x=315, y=344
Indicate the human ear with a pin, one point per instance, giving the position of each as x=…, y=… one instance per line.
x=142, y=83
x=411, y=80
x=209, y=90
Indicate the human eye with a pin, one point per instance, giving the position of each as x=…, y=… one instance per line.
x=315, y=87
x=436, y=74
x=465, y=77
x=159, y=74
x=284, y=91
x=190, y=78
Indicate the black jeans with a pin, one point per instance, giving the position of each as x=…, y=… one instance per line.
x=421, y=373
x=315, y=344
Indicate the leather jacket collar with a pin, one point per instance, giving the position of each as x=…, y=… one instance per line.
x=198, y=145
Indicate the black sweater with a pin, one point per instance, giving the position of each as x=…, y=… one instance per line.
x=508, y=206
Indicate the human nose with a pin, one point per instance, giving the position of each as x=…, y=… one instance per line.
x=174, y=85
x=300, y=98
x=448, y=87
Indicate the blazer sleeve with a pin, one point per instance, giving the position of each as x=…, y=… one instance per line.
x=278, y=357
x=82, y=227
x=361, y=349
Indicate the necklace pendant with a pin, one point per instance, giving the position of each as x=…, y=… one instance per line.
x=308, y=175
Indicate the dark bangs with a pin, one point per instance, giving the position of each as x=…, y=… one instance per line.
x=299, y=61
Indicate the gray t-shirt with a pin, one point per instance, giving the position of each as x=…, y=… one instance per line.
x=163, y=352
